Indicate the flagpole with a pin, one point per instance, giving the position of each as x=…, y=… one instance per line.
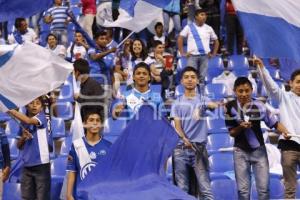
x=130, y=34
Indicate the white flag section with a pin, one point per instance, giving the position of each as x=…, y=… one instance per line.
x=77, y=126
x=27, y=72
x=144, y=14
x=272, y=27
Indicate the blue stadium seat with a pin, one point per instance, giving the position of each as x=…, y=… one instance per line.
x=12, y=128
x=224, y=189
x=221, y=162
x=114, y=127
x=216, y=122
x=169, y=171
x=66, y=146
x=179, y=90
x=298, y=189
x=217, y=141
x=58, y=127
x=4, y=117
x=111, y=138
x=66, y=92
x=276, y=189
x=65, y=110
x=11, y=191
x=215, y=91
x=14, y=151
x=216, y=63
x=58, y=167
x=58, y=172
x=237, y=61
x=241, y=72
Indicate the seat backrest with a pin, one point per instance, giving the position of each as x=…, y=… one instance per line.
x=221, y=162
x=57, y=127
x=224, y=189
x=237, y=61
x=114, y=127
x=217, y=141
x=11, y=191
x=58, y=166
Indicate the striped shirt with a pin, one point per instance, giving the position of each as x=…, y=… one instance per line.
x=59, y=15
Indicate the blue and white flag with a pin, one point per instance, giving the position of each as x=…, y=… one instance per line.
x=11, y=9
x=136, y=15
x=272, y=27
x=28, y=71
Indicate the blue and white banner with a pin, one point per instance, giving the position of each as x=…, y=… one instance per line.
x=272, y=27
x=11, y=9
x=136, y=15
x=28, y=71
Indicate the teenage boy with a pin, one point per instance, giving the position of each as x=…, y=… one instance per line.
x=243, y=119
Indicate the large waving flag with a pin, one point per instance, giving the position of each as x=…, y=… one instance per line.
x=11, y=9
x=134, y=167
x=28, y=71
x=136, y=15
x=272, y=27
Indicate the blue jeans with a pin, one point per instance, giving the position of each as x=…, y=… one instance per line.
x=176, y=20
x=200, y=63
x=258, y=160
x=187, y=158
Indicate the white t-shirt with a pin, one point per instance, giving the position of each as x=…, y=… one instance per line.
x=59, y=50
x=78, y=52
x=206, y=34
x=30, y=36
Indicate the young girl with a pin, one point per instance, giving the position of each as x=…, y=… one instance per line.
x=34, y=143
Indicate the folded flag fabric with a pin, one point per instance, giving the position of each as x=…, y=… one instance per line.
x=28, y=71
x=272, y=28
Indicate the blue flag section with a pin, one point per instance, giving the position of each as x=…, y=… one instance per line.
x=272, y=28
x=134, y=167
x=11, y=9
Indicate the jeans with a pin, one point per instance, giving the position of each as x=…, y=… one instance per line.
x=289, y=161
x=176, y=21
x=200, y=63
x=36, y=182
x=62, y=37
x=258, y=160
x=187, y=158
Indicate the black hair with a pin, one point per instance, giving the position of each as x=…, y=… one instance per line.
x=51, y=34
x=142, y=65
x=294, y=74
x=92, y=111
x=242, y=81
x=189, y=69
x=82, y=66
x=156, y=43
x=18, y=22
x=158, y=24
x=144, y=52
x=201, y=10
x=98, y=34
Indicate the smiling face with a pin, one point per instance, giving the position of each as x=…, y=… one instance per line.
x=78, y=38
x=52, y=42
x=137, y=47
x=141, y=77
x=243, y=93
x=295, y=85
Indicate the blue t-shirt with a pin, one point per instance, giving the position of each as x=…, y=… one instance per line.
x=103, y=66
x=82, y=165
x=135, y=99
x=36, y=150
x=191, y=112
x=3, y=141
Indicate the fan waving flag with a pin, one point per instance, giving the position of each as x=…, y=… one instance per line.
x=28, y=71
x=134, y=167
x=136, y=15
x=272, y=28
x=11, y=9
